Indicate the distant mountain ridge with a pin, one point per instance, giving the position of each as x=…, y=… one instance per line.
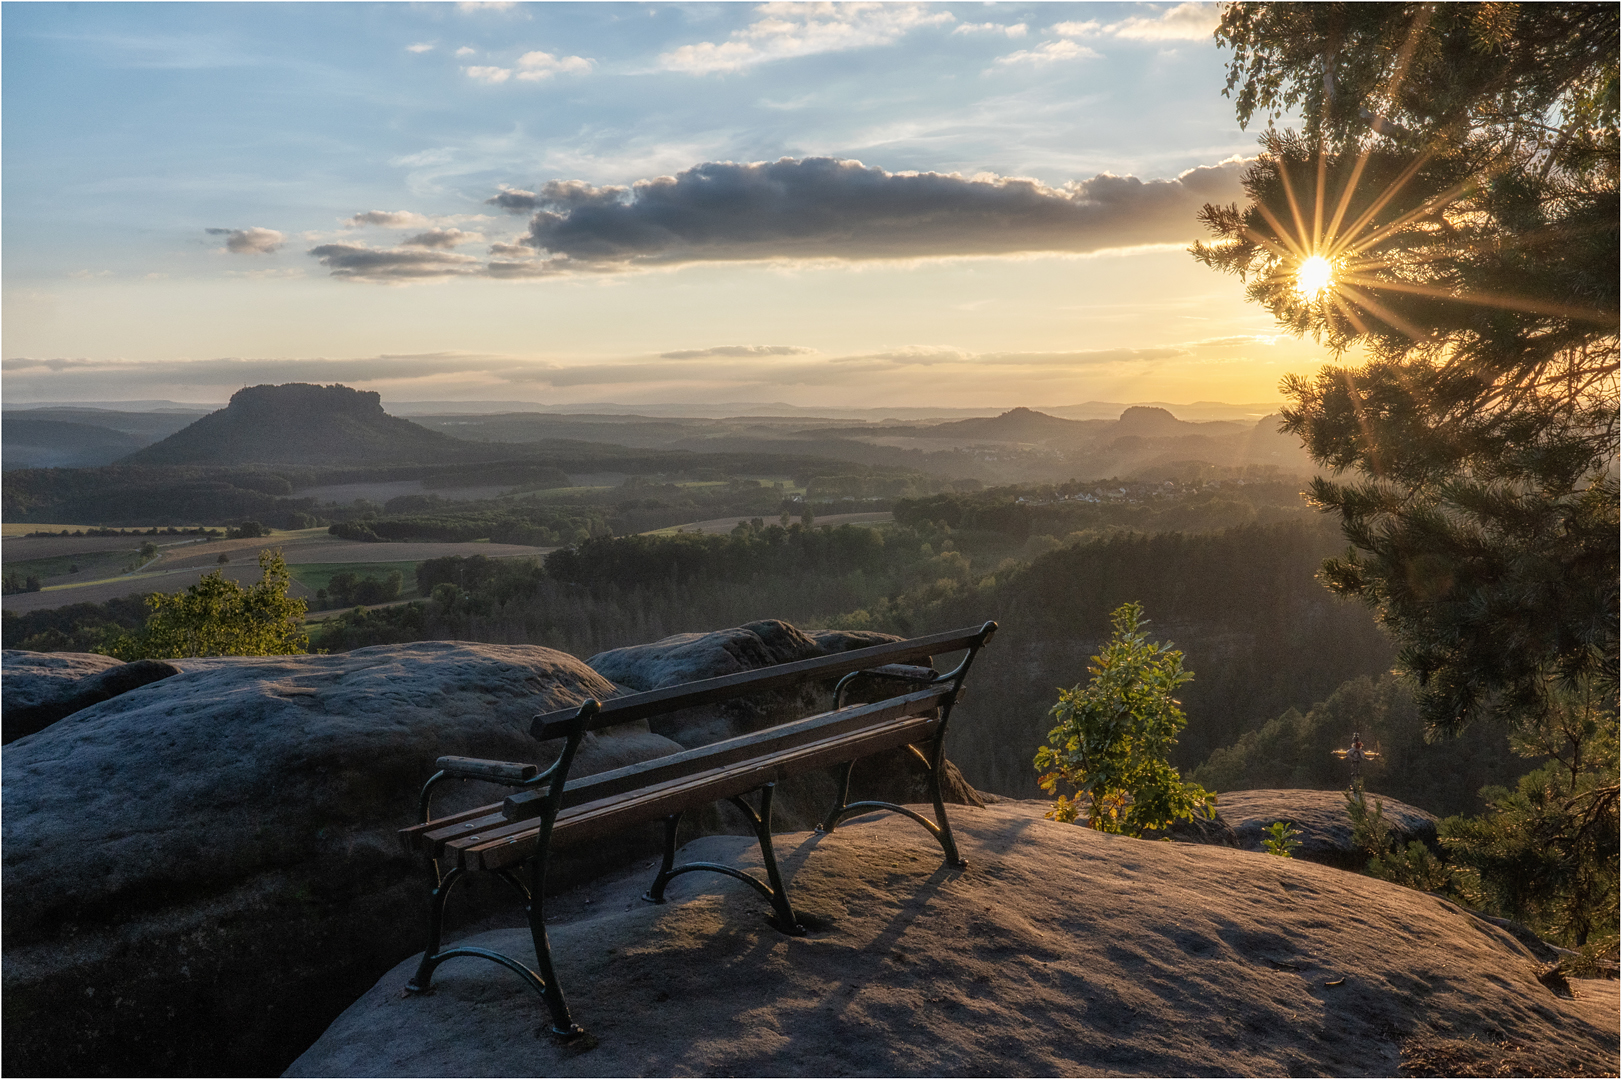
x=304, y=424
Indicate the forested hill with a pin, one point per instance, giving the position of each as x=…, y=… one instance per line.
x=300, y=423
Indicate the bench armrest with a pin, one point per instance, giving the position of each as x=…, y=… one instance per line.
x=497, y=772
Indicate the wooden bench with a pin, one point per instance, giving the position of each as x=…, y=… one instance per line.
x=514, y=838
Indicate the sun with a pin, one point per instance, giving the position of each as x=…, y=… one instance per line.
x=1313, y=276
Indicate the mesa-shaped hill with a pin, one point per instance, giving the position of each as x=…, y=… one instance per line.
x=304, y=424
x=1153, y=422
x=1018, y=425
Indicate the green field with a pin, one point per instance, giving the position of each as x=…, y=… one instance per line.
x=315, y=576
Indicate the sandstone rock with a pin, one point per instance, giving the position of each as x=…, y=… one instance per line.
x=201, y=872
x=1059, y=952
x=1326, y=830
x=41, y=688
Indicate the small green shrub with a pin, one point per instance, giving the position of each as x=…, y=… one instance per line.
x=1113, y=736
x=1281, y=839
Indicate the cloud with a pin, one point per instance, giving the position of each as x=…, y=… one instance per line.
x=486, y=5
x=512, y=251
x=1014, y=31
x=795, y=210
x=389, y=219
x=356, y=262
x=253, y=241
x=441, y=238
x=736, y=351
x=823, y=208
x=931, y=355
x=420, y=47
x=1050, y=52
x=466, y=50
x=1185, y=22
x=533, y=66
x=488, y=74
x=787, y=30
x=514, y=200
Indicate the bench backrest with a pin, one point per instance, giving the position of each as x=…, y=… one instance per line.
x=622, y=710
x=756, y=744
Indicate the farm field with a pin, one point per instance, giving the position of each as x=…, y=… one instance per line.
x=178, y=568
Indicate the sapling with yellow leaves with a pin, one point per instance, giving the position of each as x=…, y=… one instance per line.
x=1113, y=735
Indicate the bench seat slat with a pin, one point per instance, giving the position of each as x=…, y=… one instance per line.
x=412, y=836
x=434, y=842
x=527, y=804
x=502, y=847
x=554, y=725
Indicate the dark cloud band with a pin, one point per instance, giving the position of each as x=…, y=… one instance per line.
x=811, y=208
x=826, y=208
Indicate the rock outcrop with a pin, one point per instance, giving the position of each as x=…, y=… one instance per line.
x=201, y=866
x=38, y=689
x=1059, y=952
x=200, y=872
x=1326, y=830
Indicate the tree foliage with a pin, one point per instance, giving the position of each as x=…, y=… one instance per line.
x=1113, y=736
x=220, y=617
x=1458, y=172
x=1548, y=854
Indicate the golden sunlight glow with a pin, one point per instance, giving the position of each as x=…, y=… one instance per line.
x=1313, y=276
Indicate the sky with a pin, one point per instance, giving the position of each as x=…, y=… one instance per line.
x=956, y=205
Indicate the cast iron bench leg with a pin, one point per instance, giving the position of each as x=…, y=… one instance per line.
x=772, y=888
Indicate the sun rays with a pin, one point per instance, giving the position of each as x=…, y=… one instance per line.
x=1313, y=276
x=1358, y=265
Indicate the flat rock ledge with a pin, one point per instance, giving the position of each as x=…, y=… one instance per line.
x=1326, y=828
x=1060, y=951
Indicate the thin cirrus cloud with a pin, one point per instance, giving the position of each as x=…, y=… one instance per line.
x=251, y=241
x=420, y=47
x=1050, y=52
x=1015, y=30
x=788, y=30
x=738, y=367
x=1185, y=22
x=531, y=67
x=808, y=209
x=537, y=65
x=743, y=351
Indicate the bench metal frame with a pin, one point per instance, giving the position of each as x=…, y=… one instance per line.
x=513, y=839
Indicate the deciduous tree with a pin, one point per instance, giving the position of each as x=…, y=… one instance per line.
x=220, y=617
x=1114, y=734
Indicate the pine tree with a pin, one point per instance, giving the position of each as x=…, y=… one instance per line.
x=1449, y=216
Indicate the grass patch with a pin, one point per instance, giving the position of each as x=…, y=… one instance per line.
x=109, y=563
x=316, y=576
